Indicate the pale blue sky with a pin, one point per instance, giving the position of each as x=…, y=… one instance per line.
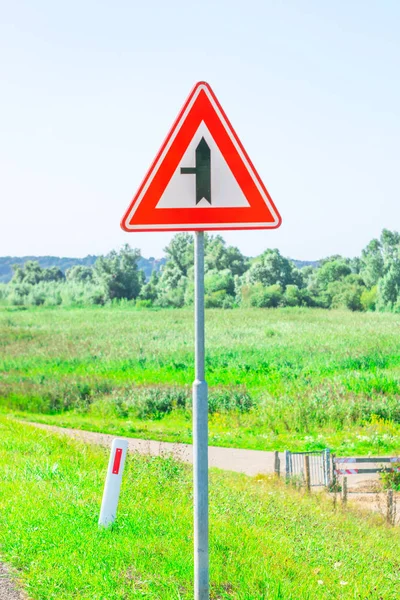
x=89, y=89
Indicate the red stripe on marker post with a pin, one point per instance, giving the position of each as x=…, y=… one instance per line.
x=117, y=461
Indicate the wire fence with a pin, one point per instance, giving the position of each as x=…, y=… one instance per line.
x=318, y=466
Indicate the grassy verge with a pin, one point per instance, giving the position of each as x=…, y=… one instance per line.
x=233, y=430
x=266, y=541
x=288, y=378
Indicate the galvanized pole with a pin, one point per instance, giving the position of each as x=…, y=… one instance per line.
x=200, y=432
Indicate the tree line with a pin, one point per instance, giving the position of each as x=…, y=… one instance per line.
x=369, y=282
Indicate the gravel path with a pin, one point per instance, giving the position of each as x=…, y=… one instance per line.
x=250, y=462
x=7, y=587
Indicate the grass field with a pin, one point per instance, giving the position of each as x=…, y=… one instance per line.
x=287, y=378
x=264, y=542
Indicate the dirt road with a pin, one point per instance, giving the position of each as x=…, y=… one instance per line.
x=7, y=588
x=250, y=462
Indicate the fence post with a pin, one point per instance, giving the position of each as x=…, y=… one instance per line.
x=389, y=508
x=307, y=472
x=334, y=475
x=334, y=481
x=344, y=491
x=327, y=467
x=277, y=464
x=287, y=464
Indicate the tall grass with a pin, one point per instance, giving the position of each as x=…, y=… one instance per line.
x=275, y=375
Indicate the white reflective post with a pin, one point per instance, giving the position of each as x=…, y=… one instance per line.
x=200, y=432
x=109, y=505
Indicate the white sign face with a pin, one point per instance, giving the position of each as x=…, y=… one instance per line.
x=181, y=190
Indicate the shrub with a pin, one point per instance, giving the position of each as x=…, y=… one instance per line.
x=269, y=297
x=94, y=295
x=227, y=400
x=216, y=281
x=140, y=303
x=173, y=297
x=292, y=296
x=369, y=298
x=154, y=403
x=391, y=477
x=3, y=292
x=36, y=297
x=15, y=298
x=218, y=299
x=346, y=293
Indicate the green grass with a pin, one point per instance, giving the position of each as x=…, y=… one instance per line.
x=287, y=378
x=267, y=541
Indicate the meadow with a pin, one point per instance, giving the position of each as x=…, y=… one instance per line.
x=281, y=378
x=264, y=542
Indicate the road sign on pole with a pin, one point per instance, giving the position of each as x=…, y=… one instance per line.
x=201, y=179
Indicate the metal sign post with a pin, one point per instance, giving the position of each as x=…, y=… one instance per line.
x=227, y=193
x=200, y=432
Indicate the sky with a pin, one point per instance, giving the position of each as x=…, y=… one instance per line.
x=90, y=88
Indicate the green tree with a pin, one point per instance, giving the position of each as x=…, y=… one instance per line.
x=308, y=275
x=369, y=298
x=377, y=258
x=149, y=291
x=292, y=296
x=215, y=281
x=222, y=264
x=118, y=273
x=271, y=268
x=180, y=254
x=347, y=292
x=219, y=256
x=390, y=244
x=175, y=273
x=79, y=273
x=176, y=296
x=53, y=274
x=219, y=289
x=31, y=273
x=266, y=297
x=372, y=263
x=330, y=271
x=389, y=285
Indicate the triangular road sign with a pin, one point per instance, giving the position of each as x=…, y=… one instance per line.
x=202, y=178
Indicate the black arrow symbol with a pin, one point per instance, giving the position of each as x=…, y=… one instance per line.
x=202, y=170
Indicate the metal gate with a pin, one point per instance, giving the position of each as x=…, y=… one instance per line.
x=320, y=472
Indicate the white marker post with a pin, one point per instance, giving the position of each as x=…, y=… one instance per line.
x=109, y=505
x=200, y=433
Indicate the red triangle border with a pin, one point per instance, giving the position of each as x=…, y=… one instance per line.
x=142, y=214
